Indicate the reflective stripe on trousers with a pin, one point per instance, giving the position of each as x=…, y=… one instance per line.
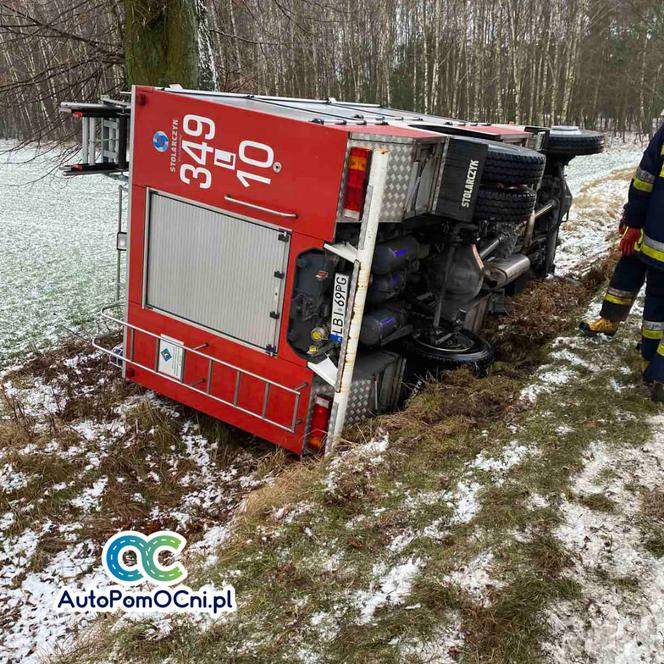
x=626, y=282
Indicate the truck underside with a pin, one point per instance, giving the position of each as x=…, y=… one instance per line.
x=291, y=277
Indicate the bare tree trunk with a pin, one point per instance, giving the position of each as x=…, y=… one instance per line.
x=161, y=42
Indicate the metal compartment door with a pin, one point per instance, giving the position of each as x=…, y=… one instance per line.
x=215, y=270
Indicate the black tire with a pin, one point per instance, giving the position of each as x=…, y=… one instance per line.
x=573, y=142
x=504, y=205
x=474, y=353
x=511, y=165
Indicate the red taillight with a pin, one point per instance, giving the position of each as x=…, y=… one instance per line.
x=77, y=114
x=356, y=185
x=320, y=418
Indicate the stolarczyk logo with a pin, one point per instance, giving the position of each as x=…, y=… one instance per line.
x=160, y=141
x=169, y=596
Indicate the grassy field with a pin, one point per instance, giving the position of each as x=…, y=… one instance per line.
x=509, y=519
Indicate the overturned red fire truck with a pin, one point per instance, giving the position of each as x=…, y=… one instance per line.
x=292, y=263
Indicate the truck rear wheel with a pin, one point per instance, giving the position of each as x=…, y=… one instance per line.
x=461, y=349
x=572, y=141
x=505, y=205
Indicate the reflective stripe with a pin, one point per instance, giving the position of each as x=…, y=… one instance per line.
x=660, y=349
x=651, y=334
x=653, y=324
x=655, y=244
x=625, y=302
x=641, y=185
x=652, y=248
x=644, y=176
x=622, y=293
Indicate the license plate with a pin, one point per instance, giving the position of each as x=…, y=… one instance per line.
x=339, y=302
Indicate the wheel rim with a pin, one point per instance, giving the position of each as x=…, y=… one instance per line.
x=454, y=344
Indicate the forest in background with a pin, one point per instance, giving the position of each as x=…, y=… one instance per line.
x=595, y=63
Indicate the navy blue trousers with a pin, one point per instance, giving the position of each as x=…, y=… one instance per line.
x=626, y=282
x=652, y=343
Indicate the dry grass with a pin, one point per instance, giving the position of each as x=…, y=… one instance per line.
x=651, y=520
x=297, y=483
x=598, y=502
x=137, y=449
x=541, y=312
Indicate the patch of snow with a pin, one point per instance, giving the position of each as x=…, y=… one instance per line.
x=332, y=562
x=38, y=400
x=537, y=501
x=378, y=445
x=7, y=520
x=511, y=455
x=465, y=502
x=87, y=430
x=357, y=458
x=325, y=624
x=617, y=624
x=436, y=531
x=88, y=499
x=12, y=479
x=462, y=501
x=474, y=578
x=566, y=355
x=159, y=629
x=401, y=541
x=16, y=554
x=213, y=539
x=592, y=225
x=392, y=588
x=547, y=379
x=289, y=513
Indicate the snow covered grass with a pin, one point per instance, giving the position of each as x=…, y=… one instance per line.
x=618, y=559
x=591, y=229
x=84, y=454
x=437, y=534
x=57, y=251
x=421, y=539
x=469, y=527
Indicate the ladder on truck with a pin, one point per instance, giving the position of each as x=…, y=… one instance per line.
x=204, y=383
x=104, y=136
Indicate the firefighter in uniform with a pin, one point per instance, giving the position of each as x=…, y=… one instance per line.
x=642, y=241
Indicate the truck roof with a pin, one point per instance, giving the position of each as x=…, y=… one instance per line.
x=354, y=116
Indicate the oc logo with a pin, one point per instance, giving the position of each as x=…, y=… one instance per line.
x=147, y=549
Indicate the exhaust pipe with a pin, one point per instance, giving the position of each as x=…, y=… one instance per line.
x=504, y=271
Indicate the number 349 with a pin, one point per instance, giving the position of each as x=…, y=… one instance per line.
x=197, y=126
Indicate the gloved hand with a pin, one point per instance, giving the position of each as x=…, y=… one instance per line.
x=630, y=237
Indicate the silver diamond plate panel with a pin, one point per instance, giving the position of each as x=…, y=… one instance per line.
x=402, y=151
x=361, y=402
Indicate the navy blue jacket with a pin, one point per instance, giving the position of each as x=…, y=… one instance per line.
x=645, y=205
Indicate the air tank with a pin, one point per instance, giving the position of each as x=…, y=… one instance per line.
x=393, y=255
x=381, y=322
x=385, y=286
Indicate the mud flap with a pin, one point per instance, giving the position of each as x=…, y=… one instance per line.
x=461, y=177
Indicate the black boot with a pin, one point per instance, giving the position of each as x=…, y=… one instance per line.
x=658, y=392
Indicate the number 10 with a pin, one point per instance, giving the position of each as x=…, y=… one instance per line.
x=266, y=162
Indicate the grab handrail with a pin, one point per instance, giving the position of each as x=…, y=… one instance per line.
x=297, y=391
